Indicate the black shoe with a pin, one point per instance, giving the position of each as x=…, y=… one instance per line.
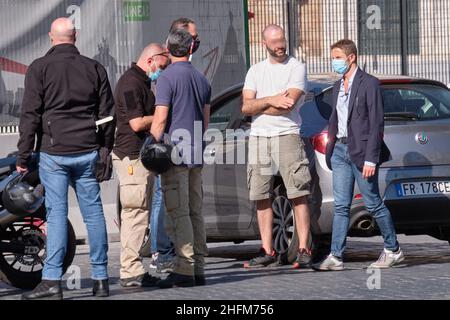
x=262, y=260
x=144, y=280
x=200, y=281
x=174, y=280
x=100, y=288
x=149, y=281
x=304, y=259
x=46, y=290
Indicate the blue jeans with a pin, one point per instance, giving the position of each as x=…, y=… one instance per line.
x=160, y=241
x=345, y=172
x=56, y=174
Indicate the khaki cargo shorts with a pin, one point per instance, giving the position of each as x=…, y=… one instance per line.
x=284, y=155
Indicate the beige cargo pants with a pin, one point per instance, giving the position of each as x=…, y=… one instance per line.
x=136, y=186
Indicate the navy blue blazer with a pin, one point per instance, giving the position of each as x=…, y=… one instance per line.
x=365, y=122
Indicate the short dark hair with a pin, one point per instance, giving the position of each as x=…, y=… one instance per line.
x=181, y=23
x=179, y=43
x=346, y=45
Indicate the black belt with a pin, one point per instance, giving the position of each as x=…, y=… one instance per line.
x=343, y=140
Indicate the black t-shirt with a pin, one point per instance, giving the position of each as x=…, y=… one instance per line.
x=133, y=99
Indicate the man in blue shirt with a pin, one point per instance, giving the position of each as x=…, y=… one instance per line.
x=162, y=246
x=183, y=96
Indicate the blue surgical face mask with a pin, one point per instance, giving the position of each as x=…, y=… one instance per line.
x=153, y=76
x=340, y=66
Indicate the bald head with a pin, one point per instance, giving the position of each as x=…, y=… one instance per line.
x=62, y=31
x=272, y=31
x=151, y=50
x=153, y=56
x=274, y=39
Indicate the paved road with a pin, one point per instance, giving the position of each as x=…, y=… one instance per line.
x=424, y=275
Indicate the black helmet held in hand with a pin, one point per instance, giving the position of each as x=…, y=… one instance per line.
x=156, y=157
x=21, y=199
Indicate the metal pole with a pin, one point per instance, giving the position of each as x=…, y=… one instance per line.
x=247, y=34
x=345, y=15
x=404, y=35
x=290, y=26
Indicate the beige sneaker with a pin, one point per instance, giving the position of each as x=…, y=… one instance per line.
x=331, y=263
x=388, y=259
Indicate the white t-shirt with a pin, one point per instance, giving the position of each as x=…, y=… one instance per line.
x=268, y=79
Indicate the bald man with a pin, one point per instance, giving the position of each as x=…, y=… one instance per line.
x=273, y=94
x=65, y=94
x=135, y=106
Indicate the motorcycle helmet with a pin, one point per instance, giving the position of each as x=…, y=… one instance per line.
x=21, y=199
x=156, y=157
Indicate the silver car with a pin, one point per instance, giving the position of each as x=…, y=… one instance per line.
x=415, y=183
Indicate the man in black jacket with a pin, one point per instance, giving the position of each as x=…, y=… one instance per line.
x=65, y=94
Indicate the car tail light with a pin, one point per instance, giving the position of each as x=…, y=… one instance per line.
x=320, y=141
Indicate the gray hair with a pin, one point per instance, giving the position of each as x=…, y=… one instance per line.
x=179, y=43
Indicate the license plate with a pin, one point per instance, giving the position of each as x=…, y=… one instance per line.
x=423, y=188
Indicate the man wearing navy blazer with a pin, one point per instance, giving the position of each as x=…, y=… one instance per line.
x=354, y=152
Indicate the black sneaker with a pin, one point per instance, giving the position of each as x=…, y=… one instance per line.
x=46, y=290
x=144, y=280
x=262, y=260
x=304, y=259
x=175, y=280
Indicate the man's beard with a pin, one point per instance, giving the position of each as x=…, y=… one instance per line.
x=274, y=53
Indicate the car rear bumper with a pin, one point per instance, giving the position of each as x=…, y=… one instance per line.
x=421, y=212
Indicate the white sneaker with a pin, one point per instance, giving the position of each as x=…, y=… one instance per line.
x=388, y=259
x=331, y=263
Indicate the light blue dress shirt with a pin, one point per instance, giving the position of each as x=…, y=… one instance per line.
x=342, y=108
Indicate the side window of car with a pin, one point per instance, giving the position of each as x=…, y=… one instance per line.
x=222, y=115
x=407, y=100
x=324, y=103
x=392, y=100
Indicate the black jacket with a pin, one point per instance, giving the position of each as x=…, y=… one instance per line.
x=65, y=93
x=365, y=122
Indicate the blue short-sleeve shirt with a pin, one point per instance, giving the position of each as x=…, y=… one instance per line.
x=186, y=91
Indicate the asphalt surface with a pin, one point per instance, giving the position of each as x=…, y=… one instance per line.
x=425, y=274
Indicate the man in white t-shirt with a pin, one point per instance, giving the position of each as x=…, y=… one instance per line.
x=273, y=94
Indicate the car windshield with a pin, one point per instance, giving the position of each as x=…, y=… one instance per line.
x=416, y=102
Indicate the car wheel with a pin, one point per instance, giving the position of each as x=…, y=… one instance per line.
x=285, y=238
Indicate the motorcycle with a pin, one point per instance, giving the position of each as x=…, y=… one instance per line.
x=23, y=237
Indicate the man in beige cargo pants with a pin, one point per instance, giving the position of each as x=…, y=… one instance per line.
x=135, y=106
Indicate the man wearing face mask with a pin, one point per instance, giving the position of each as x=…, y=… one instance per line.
x=354, y=152
x=190, y=26
x=162, y=247
x=135, y=106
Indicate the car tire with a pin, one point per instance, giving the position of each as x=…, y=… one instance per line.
x=285, y=238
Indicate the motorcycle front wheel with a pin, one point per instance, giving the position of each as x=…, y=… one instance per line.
x=24, y=271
